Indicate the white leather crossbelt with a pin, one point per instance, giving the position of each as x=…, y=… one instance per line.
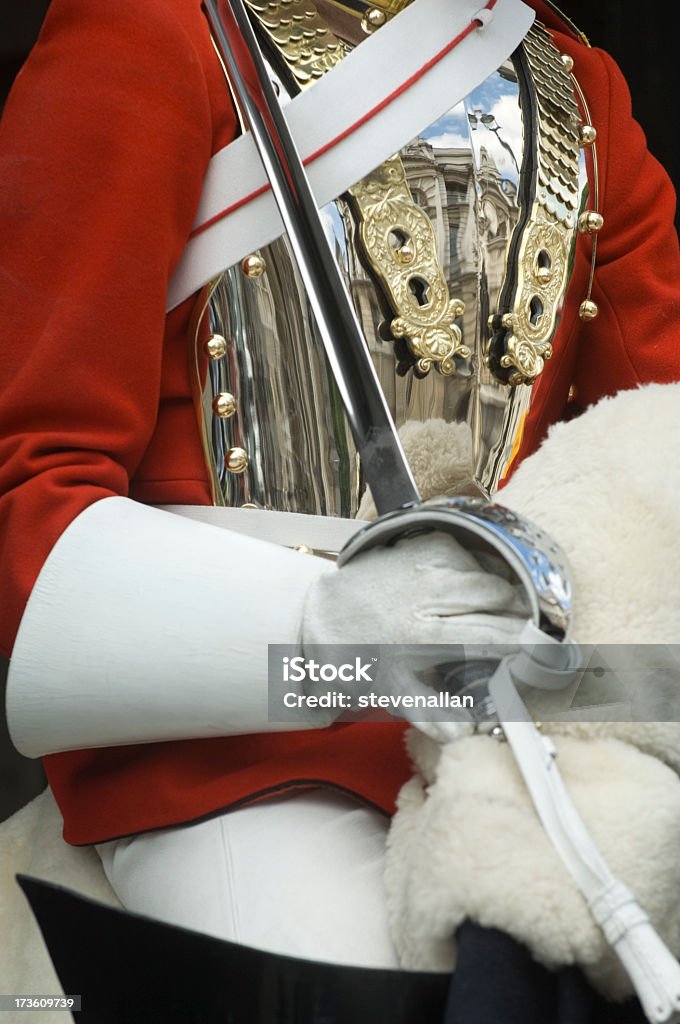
x=358, y=114
x=289, y=529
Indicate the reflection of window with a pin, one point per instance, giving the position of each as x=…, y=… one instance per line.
x=490, y=218
x=456, y=208
x=419, y=198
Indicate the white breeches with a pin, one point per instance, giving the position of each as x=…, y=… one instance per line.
x=299, y=874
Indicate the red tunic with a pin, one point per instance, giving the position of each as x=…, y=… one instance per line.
x=103, y=146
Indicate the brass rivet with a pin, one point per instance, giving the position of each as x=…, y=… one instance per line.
x=590, y=222
x=224, y=405
x=406, y=254
x=236, y=460
x=373, y=18
x=588, y=310
x=216, y=347
x=587, y=134
x=544, y=275
x=568, y=62
x=253, y=265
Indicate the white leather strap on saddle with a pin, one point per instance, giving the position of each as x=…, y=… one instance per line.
x=377, y=99
x=652, y=968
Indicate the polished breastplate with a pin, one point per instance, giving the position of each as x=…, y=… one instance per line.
x=457, y=254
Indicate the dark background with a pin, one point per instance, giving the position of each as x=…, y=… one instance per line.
x=637, y=35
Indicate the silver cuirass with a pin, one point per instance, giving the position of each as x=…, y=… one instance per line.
x=457, y=253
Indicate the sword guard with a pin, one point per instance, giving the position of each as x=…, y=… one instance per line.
x=479, y=525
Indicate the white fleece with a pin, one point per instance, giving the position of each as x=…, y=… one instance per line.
x=466, y=841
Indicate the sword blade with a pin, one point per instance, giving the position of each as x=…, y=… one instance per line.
x=384, y=462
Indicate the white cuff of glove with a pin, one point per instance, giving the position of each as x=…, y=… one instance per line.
x=144, y=626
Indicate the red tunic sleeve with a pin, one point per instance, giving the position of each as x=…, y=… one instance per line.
x=104, y=142
x=636, y=337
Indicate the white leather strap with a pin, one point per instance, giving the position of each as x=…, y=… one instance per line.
x=377, y=99
x=145, y=626
x=290, y=529
x=653, y=970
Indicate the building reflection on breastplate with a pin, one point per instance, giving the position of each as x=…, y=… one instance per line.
x=399, y=247
x=457, y=254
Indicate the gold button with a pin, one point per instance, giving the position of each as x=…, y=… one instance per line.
x=224, y=405
x=587, y=134
x=590, y=222
x=216, y=347
x=588, y=310
x=373, y=18
x=253, y=265
x=236, y=460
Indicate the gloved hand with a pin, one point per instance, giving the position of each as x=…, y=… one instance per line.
x=426, y=591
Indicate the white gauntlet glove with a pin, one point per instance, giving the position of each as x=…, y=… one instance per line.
x=144, y=626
